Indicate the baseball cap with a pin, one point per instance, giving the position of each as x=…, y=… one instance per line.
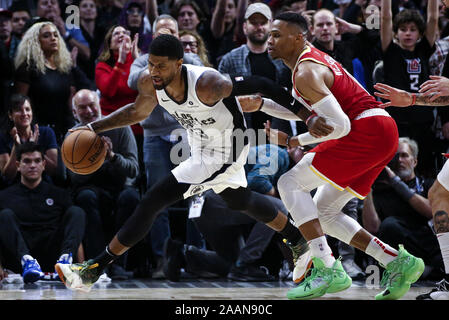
x=5, y=12
x=258, y=7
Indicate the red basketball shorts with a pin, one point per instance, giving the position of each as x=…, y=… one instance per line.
x=354, y=161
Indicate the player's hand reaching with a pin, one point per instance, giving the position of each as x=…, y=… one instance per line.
x=397, y=97
x=250, y=103
x=435, y=87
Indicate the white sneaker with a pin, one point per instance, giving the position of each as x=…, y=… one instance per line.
x=440, y=292
x=78, y=276
x=302, y=265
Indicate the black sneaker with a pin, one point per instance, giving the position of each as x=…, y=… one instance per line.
x=440, y=292
x=173, y=259
x=250, y=273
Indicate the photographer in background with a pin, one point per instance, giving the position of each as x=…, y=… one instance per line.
x=398, y=210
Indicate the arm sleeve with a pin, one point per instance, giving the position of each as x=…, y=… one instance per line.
x=276, y=110
x=245, y=85
x=329, y=109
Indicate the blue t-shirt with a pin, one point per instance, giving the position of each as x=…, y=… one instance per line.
x=47, y=140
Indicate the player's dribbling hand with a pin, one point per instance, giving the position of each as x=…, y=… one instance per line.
x=250, y=103
x=275, y=136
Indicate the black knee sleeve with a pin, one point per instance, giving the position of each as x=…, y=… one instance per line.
x=254, y=204
x=163, y=194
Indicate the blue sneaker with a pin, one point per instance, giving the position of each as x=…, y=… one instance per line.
x=31, y=270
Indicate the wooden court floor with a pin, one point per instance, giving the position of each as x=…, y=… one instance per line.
x=191, y=289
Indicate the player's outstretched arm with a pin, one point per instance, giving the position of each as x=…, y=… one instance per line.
x=131, y=113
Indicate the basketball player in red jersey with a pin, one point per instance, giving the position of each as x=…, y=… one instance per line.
x=343, y=165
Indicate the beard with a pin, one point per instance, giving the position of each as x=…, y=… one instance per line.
x=257, y=40
x=404, y=174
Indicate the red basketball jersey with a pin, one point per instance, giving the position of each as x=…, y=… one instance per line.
x=350, y=94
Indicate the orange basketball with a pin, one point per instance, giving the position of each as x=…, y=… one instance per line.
x=83, y=152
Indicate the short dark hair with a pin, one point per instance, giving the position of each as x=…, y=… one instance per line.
x=16, y=101
x=294, y=18
x=407, y=16
x=28, y=147
x=167, y=45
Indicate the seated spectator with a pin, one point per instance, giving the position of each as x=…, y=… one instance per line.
x=37, y=220
x=20, y=17
x=107, y=195
x=94, y=34
x=132, y=19
x=398, y=210
x=21, y=129
x=192, y=42
x=50, y=10
x=407, y=43
x=44, y=69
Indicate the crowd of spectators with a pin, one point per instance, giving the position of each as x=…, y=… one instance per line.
x=66, y=63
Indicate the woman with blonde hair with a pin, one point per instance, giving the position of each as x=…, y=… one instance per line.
x=44, y=73
x=193, y=42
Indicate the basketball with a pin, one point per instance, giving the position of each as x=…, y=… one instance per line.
x=83, y=152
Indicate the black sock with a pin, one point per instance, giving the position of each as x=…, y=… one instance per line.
x=292, y=234
x=105, y=258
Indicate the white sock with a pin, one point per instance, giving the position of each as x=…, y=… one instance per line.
x=380, y=251
x=443, y=240
x=25, y=258
x=321, y=249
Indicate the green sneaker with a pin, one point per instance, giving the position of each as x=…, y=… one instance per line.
x=79, y=276
x=399, y=274
x=321, y=280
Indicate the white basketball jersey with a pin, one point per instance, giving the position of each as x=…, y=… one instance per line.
x=208, y=127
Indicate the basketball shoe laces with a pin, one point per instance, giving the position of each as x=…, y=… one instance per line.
x=392, y=274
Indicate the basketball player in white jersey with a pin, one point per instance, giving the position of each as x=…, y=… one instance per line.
x=433, y=92
x=204, y=102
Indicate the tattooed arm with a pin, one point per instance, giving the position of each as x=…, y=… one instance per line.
x=132, y=113
x=430, y=95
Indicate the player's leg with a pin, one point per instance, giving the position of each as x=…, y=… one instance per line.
x=404, y=267
x=294, y=189
x=439, y=200
x=260, y=208
x=164, y=193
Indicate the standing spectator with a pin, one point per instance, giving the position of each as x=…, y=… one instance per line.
x=38, y=220
x=43, y=70
x=49, y=9
x=19, y=20
x=6, y=28
x=398, y=209
x=252, y=58
x=406, y=67
x=107, y=195
x=192, y=42
x=21, y=129
x=222, y=29
x=108, y=13
x=112, y=71
x=132, y=19
x=94, y=34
